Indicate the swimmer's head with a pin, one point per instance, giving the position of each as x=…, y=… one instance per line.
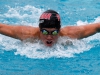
x=49, y=24
x=49, y=19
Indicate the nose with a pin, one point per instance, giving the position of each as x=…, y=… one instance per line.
x=49, y=37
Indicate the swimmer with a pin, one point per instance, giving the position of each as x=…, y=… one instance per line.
x=49, y=30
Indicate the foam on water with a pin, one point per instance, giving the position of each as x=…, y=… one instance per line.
x=28, y=15
x=38, y=50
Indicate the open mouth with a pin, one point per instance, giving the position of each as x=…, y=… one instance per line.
x=49, y=42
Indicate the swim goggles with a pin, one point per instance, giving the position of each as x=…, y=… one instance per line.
x=46, y=32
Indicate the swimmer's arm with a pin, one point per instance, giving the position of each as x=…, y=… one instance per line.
x=88, y=30
x=18, y=32
x=83, y=31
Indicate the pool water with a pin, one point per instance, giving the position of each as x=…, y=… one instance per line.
x=25, y=58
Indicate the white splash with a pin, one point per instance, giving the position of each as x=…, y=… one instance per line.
x=27, y=15
x=39, y=51
x=81, y=23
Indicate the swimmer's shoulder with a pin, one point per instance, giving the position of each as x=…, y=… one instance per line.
x=24, y=32
x=70, y=31
x=35, y=31
x=64, y=31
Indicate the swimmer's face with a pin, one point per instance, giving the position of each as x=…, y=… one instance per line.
x=49, y=36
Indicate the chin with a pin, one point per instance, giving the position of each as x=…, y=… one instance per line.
x=49, y=45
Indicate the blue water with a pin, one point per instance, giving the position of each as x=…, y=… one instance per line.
x=25, y=58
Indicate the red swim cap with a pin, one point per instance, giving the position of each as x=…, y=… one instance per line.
x=49, y=19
